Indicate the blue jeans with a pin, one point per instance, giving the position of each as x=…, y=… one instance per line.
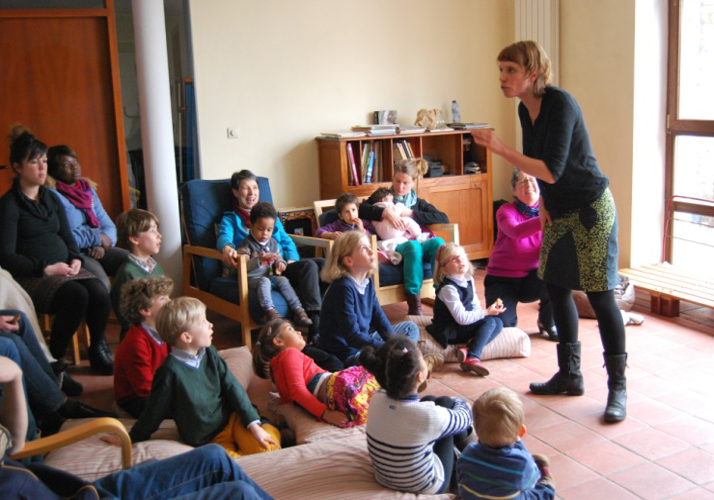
x=43, y=393
x=407, y=328
x=477, y=335
x=201, y=474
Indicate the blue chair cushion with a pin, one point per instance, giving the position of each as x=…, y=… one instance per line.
x=388, y=273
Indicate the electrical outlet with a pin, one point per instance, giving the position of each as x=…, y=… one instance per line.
x=233, y=132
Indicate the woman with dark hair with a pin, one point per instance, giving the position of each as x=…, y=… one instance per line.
x=37, y=248
x=578, y=217
x=93, y=231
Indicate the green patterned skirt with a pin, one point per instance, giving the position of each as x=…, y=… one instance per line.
x=579, y=250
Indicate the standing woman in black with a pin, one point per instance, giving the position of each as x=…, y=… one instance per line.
x=579, y=250
x=37, y=248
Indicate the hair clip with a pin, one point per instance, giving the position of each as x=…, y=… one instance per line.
x=405, y=350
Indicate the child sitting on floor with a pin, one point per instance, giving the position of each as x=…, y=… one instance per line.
x=266, y=263
x=195, y=387
x=351, y=315
x=339, y=398
x=138, y=232
x=498, y=465
x=410, y=441
x=458, y=317
x=142, y=351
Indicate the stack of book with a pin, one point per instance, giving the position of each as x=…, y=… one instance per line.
x=371, y=167
x=349, y=134
x=411, y=130
x=403, y=150
x=389, y=129
x=467, y=126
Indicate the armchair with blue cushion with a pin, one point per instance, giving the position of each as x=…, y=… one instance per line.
x=389, y=281
x=203, y=204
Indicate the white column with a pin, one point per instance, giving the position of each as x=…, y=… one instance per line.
x=152, y=67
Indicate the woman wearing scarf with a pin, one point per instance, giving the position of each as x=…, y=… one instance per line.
x=93, y=231
x=512, y=272
x=414, y=254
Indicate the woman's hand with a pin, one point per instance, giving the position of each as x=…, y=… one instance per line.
x=544, y=216
x=10, y=323
x=58, y=269
x=334, y=417
x=97, y=252
x=230, y=256
x=75, y=266
x=394, y=219
x=487, y=138
x=106, y=241
x=262, y=436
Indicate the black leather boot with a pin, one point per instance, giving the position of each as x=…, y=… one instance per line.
x=100, y=357
x=414, y=303
x=70, y=386
x=616, y=410
x=568, y=380
x=75, y=409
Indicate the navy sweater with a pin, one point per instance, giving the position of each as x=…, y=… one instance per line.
x=347, y=318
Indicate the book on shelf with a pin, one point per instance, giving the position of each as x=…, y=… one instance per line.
x=353, y=165
x=468, y=126
x=412, y=130
x=370, y=165
x=348, y=134
x=366, y=151
x=442, y=129
x=376, y=129
x=410, y=152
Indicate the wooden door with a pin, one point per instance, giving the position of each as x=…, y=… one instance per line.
x=59, y=77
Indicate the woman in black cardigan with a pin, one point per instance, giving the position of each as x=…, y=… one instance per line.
x=37, y=248
x=414, y=253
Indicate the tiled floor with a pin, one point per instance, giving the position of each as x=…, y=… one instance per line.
x=663, y=450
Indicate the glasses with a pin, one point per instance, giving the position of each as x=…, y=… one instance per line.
x=526, y=181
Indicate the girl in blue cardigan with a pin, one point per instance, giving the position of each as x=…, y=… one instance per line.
x=351, y=316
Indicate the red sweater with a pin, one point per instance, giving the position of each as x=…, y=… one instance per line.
x=135, y=363
x=292, y=371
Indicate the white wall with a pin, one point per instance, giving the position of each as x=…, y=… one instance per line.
x=284, y=71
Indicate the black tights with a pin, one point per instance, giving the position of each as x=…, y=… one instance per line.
x=76, y=300
x=444, y=447
x=612, y=331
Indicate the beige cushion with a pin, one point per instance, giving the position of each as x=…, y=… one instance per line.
x=510, y=343
x=306, y=426
x=323, y=470
x=240, y=362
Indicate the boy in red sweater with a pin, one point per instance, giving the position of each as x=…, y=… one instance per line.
x=142, y=351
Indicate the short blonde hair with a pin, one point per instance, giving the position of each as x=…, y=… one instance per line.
x=177, y=317
x=498, y=417
x=443, y=255
x=532, y=57
x=139, y=293
x=131, y=223
x=344, y=246
x=414, y=168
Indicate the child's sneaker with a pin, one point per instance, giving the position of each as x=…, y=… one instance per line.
x=270, y=315
x=433, y=363
x=301, y=318
x=470, y=364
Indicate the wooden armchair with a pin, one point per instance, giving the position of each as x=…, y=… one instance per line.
x=389, y=281
x=203, y=204
x=97, y=426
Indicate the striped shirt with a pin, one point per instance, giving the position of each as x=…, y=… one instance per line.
x=401, y=437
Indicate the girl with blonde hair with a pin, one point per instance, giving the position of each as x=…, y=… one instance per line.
x=351, y=316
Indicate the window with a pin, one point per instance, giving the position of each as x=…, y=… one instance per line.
x=690, y=136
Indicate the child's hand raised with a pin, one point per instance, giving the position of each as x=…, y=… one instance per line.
x=334, y=417
x=262, y=436
x=496, y=308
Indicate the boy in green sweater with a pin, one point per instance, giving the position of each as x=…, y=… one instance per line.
x=195, y=387
x=138, y=232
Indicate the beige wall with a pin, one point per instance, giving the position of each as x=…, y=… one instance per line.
x=284, y=71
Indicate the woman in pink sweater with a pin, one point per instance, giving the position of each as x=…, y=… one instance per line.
x=513, y=267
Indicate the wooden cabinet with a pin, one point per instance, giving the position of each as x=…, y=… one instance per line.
x=466, y=198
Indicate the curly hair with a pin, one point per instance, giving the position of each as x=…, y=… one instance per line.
x=263, y=209
x=395, y=365
x=139, y=294
x=378, y=195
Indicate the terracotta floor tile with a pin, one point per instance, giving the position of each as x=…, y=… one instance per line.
x=600, y=394
x=538, y=417
x=567, y=436
x=597, y=489
x=653, y=386
x=688, y=401
x=535, y=445
x=692, y=429
x=651, y=482
x=652, y=443
x=653, y=412
x=596, y=422
x=694, y=464
x=695, y=494
x=652, y=363
x=568, y=472
x=606, y=457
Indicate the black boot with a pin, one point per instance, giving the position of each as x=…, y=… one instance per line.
x=568, y=379
x=70, y=386
x=414, y=303
x=75, y=409
x=615, y=411
x=100, y=357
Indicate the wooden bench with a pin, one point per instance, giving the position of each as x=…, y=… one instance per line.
x=668, y=285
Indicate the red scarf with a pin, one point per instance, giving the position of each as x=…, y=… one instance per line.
x=80, y=195
x=243, y=214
